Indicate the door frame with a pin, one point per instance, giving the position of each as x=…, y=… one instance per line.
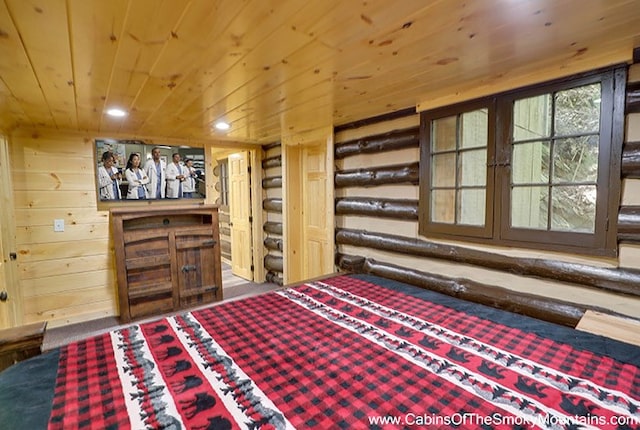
x=213, y=152
x=11, y=313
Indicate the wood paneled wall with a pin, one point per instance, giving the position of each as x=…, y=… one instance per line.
x=354, y=212
x=68, y=276
x=65, y=277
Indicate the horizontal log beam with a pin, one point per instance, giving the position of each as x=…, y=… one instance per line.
x=269, y=146
x=376, y=119
x=630, y=166
x=544, y=308
x=270, y=162
x=273, y=263
x=274, y=278
x=225, y=231
x=633, y=98
x=272, y=182
x=629, y=224
x=272, y=205
x=224, y=217
x=272, y=227
x=379, y=208
x=225, y=246
x=397, y=174
x=624, y=281
x=350, y=263
x=273, y=244
x=393, y=140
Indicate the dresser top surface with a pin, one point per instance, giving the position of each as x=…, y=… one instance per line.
x=162, y=210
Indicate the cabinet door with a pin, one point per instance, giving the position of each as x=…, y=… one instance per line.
x=148, y=272
x=199, y=279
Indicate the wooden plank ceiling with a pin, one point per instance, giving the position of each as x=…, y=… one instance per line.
x=271, y=68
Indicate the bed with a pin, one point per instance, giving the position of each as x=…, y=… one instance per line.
x=350, y=351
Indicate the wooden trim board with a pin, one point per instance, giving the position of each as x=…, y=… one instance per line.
x=612, y=326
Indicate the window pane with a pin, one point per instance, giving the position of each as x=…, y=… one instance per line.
x=443, y=206
x=473, y=168
x=530, y=163
x=443, y=134
x=530, y=167
x=471, y=207
x=532, y=118
x=529, y=208
x=443, y=172
x=574, y=208
x=578, y=110
x=575, y=159
x=474, y=128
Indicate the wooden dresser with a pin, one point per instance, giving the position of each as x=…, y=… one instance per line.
x=167, y=258
x=20, y=343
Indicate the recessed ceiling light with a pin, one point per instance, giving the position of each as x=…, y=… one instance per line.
x=116, y=112
x=222, y=125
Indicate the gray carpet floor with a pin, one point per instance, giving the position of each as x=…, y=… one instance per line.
x=233, y=288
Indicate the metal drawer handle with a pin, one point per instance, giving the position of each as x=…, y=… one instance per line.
x=188, y=268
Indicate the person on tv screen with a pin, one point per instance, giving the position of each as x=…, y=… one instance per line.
x=109, y=178
x=137, y=178
x=155, y=169
x=175, y=178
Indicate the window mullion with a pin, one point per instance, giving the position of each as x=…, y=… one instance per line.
x=458, y=172
x=552, y=150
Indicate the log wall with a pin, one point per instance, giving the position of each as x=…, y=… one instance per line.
x=376, y=218
x=628, y=217
x=272, y=206
x=223, y=214
x=552, y=310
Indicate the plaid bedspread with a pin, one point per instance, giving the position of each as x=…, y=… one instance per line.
x=342, y=353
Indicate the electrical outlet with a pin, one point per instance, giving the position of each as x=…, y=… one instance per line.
x=58, y=225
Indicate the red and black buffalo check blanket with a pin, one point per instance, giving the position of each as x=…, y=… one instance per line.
x=344, y=353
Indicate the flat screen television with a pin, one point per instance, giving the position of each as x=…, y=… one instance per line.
x=138, y=183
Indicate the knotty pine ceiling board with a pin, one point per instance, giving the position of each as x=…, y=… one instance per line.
x=247, y=55
x=147, y=33
x=18, y=77
x=95, y=28
x=280, y=67
x=185, y=65
x=49, y=57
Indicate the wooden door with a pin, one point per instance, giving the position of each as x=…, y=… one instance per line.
x=5, y=306
x=11, y=308
x=317, y=195
x=308, y=204
x=240, y=215
x=199, y=279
